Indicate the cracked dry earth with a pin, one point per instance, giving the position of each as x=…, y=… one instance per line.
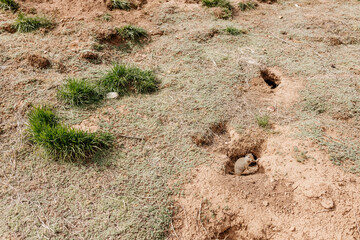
x=296, y=194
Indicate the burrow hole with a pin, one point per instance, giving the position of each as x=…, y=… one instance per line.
x=270, y=78
x=229, y=165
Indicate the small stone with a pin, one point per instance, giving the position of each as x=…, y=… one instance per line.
x=281, y=17
x=327, y=203
x=112, y=95
x=265, y=203
x=292, y=229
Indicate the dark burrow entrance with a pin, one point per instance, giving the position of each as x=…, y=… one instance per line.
x=270, y=78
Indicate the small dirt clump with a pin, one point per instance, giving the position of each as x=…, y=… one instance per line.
x=8, y=28
x=38, y=61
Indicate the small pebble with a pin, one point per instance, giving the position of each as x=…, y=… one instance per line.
x=327, y=203
x=112, y=95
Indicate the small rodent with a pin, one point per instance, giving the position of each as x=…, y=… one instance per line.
x=243, y=163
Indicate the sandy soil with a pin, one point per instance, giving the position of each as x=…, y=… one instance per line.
x=296, y=194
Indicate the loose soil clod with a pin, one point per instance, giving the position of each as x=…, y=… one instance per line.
x=38, y=61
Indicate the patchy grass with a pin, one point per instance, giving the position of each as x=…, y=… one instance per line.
x=28, y=24
x=78, y=92
x=263, y=121
x=121, y=4
x=133, y=34
x=217, y=3
x=234, y=31
x=126, y=80
x=107, y=17
x=9, y=5
x=224, y=5
x=130, y=197
x=61, y=142
x=343, y=151
x=40, y=117
x=97, y=47
x=243, y=6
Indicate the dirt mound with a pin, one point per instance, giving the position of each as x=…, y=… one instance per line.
x=288, y=200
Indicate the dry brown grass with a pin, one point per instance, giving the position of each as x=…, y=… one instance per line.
x=128, y=196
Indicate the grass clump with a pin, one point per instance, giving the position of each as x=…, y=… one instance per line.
x=132, y=34
x=79, y=92
x=120, y=4
x=29, y=24
x=243, y=6
x=226, y=7
x=217, y=3
x=234, y=31
x=263, y=121
x=9, y=5
x=107, y=17
x=61, y=142
x=40, y=117
x=126, y=80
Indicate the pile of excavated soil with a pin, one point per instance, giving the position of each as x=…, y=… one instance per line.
x=294, y=197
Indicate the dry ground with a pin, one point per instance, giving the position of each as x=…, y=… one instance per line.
x=165, y=186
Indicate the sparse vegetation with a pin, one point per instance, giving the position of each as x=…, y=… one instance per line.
x=133, y=34
x=209, y=72
x=9, y=5
x=263, y=121
x=217, y=3
x=61, y=142
x=225, y=5
x=29, y=24
x=98, y=47
x=120, y=4
x=107, y=17
x=234, y=31
x=126, y=80
x=79, y=92
x=243, y=6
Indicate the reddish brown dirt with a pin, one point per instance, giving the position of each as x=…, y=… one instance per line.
x=38, y=61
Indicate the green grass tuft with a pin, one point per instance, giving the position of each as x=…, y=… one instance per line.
x=226, y=6
x=61, y=142
x=9, y=5
x=29, y=24
x=133, y=34
x=243, y=6
x=121, y=4
x=234, y=31
x=263, y=121
x=38, y=118
x=126, y=80
x=217, y=3
x=79, y=92
x=65, y=143
x=107, y=17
